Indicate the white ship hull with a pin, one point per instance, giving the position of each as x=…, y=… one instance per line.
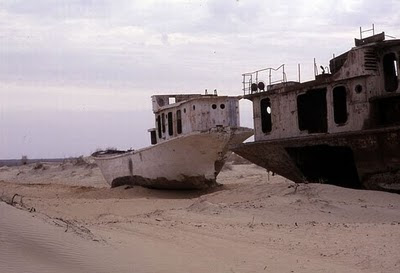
x=186, y=162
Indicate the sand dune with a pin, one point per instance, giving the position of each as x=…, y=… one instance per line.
x=29, y=244
x=254, y=222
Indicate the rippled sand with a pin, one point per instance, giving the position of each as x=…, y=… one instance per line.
x=29, y=244
x=66, y=219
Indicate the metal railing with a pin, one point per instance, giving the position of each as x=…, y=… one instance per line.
x=367, y=30
x=257, y=77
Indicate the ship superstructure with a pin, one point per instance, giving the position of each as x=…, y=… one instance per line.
x=341, y=128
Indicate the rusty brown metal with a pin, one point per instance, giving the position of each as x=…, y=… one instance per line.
x=305, y=144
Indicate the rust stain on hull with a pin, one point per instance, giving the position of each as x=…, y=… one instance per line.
x=187, y=183
x=369, y=159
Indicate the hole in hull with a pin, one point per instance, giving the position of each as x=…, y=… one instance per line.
x=326, y=164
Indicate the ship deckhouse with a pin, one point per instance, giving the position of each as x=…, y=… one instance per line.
x=177, y=115
x=361, y=91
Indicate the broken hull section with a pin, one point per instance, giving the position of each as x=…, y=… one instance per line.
x=188, y=162
x=364, y=159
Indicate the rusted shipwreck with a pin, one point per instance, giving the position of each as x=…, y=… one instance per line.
x=190, y=142
x=342, y=128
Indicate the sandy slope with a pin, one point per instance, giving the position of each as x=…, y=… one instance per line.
x=253, y=223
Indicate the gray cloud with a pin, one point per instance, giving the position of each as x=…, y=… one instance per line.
x=146, y=47
x=60, y=9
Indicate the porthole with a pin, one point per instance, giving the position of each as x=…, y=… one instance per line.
x=214, y=106
x=222, y=106
x=194, y=107
x=266, y=121
x=358, y=89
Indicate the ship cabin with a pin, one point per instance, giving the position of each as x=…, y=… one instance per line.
x=359, y=91
x=178, y=115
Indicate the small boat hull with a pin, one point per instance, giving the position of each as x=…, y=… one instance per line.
x=191, y=161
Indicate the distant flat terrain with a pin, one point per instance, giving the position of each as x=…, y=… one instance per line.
x=18, y=162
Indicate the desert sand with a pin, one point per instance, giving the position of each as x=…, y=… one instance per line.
x=65, y=218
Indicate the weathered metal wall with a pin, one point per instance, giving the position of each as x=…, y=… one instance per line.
x=200, y=113
x=361, y=75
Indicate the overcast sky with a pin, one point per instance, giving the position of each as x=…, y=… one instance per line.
x=78, y=75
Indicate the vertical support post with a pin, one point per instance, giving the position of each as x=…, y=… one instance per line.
x=373, y=29
x=251, y=81
x=315, y=69
x=360, y=33
x=269, y=76
x=244, y=84
x=298, y=70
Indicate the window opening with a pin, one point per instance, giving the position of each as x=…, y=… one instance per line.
x=387, y=111
x=266, y=121
x=312, y=113
x=159, y=126
x=214, y=106
x=153, y=137
x=178, y=122
x=170, y=124
x=163, y=122
x=171, y=100
x=339, y=105
x=222, y=106
x=194, y=107
x=358, y=89
x=390, y=71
